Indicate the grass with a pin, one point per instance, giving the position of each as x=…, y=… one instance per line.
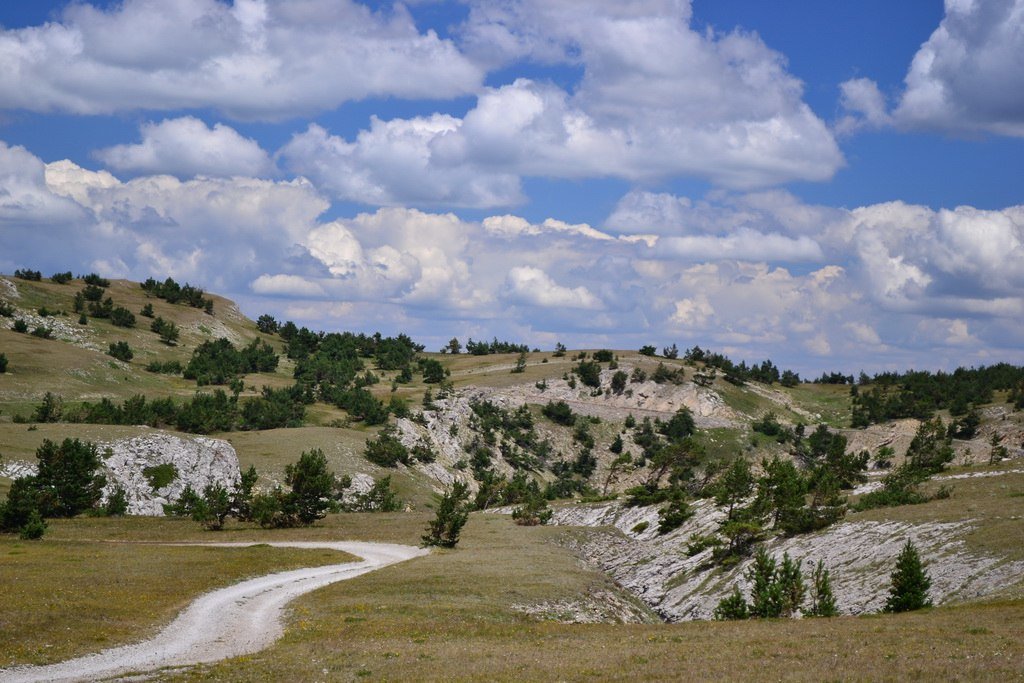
x=448, y=617
x=89, y=584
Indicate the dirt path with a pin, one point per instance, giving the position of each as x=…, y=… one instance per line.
x=232, y=621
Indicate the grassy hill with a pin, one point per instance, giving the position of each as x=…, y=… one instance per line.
x=497, y=607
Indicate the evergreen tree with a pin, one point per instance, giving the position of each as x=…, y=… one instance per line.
x=732, y=607
x=213, y=508
x=823, y=602
x=791, y=585
x=68, y=481
x=452, y=514
x=910, y=583
x=765, y=593
x=312, y=485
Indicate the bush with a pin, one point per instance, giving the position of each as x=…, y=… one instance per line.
x=380, y=498
x=121, y=351
x=589, y=373
x=42, y=332
x=312, y=485
x=160, y=475
x=32, y=275
x=34, y=527
x=3, y=363
x=387, y=450
x=122, y=317
x=20, y=326
x=559, y=412
x=147, y=311
x=96, y=280
x=267, y=324
x=62, y=278
x=171, y=367
x=452, y=514
x=6, y=310
x=648, y=350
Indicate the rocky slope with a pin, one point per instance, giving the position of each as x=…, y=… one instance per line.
x=860, y=556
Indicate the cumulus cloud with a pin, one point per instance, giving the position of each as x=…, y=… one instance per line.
x=219, y=231
x=968, y=77
x=533, y=287
x=656, y=99
x=251, y=59
x=865, y=105
x=893, y=276
x=394, y=163
x=187, y=147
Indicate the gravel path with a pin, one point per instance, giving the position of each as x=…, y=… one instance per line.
x=229, y=622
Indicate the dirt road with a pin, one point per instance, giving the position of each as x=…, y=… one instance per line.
x=232, y=621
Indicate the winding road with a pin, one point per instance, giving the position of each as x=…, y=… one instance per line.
x=228, y=622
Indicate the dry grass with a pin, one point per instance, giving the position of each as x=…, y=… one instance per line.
x=90, y=584
x=448, y=617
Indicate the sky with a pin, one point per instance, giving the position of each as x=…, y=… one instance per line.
x=832, y=185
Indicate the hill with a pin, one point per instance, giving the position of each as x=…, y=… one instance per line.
x=631, y=452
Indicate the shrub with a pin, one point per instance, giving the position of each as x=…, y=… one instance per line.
x=589, y=373
x=6, y=310
x=160, y=475
x=34, y=527
x=20, y=326
x=171, y=367
x=3, y=363
x=379, y=498
x=312, y=485
x=147, y=311
x=96, y=280
x=42, y=332
x=559, y=412
x=732, y=607
x=121, y=351
x=62, y=278
x=33, y=275
x=122, y=317
x=648, y=350
x=267, y=324
x=387, y=450
x=451, y=515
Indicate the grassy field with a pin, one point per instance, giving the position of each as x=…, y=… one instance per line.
x=95, y=583
x=452, y=616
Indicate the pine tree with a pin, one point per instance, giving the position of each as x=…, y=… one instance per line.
x=823, y=602
x=910, y=583
x=452, y=514
x=732, y=607
x=765, y=592
x=791, y=585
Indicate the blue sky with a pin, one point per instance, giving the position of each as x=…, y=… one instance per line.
x=832, y=185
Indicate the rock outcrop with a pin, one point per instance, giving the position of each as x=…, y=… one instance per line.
x=859, y=555
x=197, y=462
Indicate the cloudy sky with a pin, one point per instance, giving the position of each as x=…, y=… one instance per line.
x=836, y=186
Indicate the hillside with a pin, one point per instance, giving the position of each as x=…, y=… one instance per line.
x=631, y=451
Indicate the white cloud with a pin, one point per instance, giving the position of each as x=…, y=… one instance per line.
x=534, y=287
x=865, y=104
x=968, y=77
x=918, y=279
x=394, y=163
x=743, y=244
x=250, y=59
x=657, y=99
x=187, y=147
